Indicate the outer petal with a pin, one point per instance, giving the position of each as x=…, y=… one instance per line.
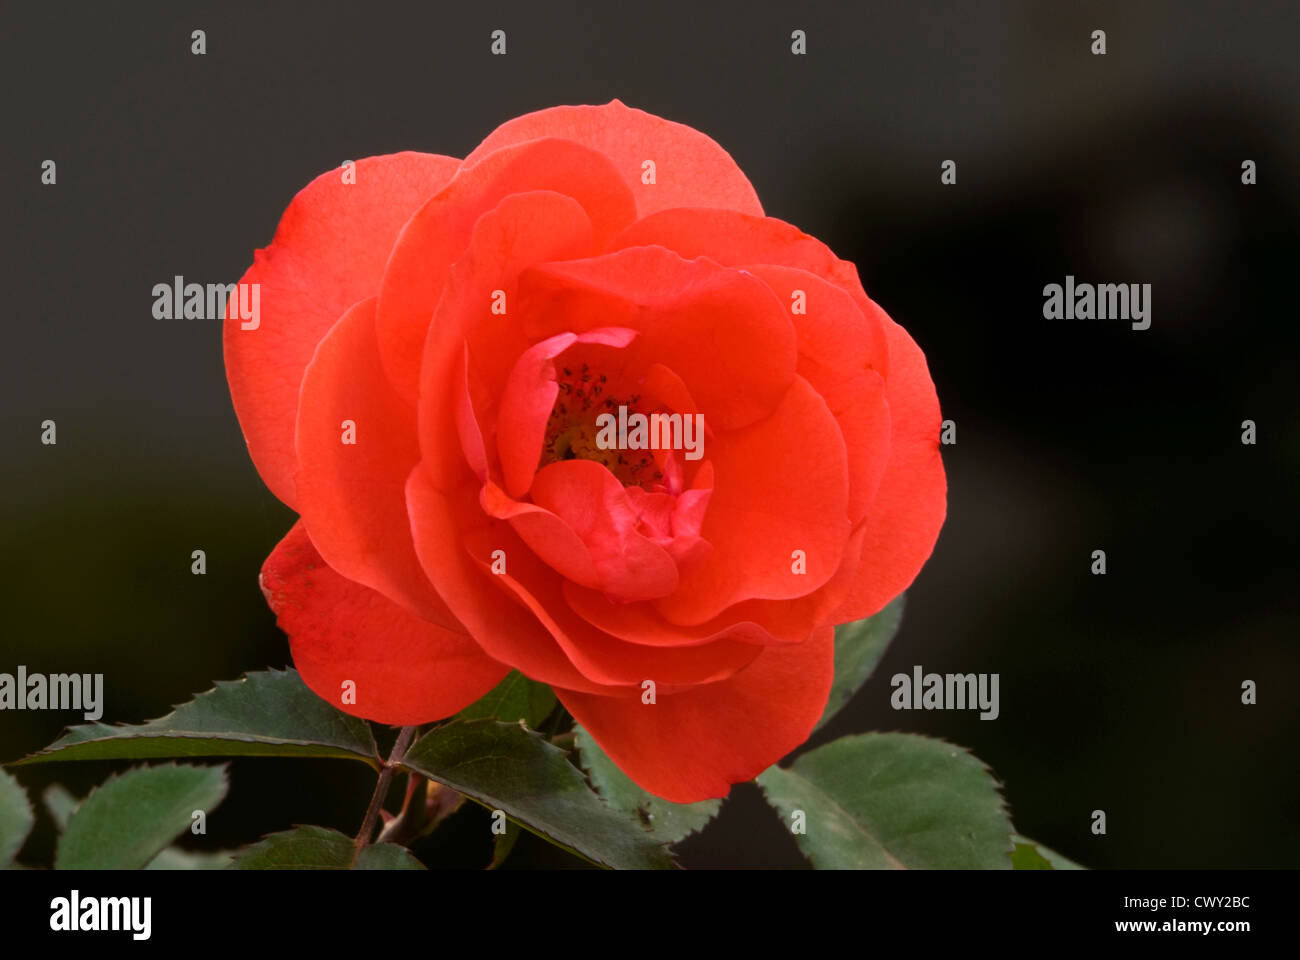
x=903, y=521
x=352, y=497
x=329, y=252
x=691, y=170
x=840, y=350
x=406, y=670
x=695, y=744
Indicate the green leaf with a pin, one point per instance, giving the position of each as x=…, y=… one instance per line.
x=1025, y=856
x=893, y=801
x=125, y=821
x=668, y=822
x=319, y=848
x=265, y=714
x=175, y=858
x=1030, y=855
x=514, y=698
x=61, y=804
x=858, y=648
x=506, y=767
x=16, y=818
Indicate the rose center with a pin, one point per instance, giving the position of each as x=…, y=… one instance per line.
x=572, y=433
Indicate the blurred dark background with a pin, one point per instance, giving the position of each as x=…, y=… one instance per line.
x=1119, y=692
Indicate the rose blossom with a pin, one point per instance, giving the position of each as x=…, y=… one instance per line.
x=437, y=341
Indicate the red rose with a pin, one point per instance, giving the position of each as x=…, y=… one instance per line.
x=466, y=322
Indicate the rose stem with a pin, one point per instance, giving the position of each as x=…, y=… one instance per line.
x=381, y=790
x=408, y=822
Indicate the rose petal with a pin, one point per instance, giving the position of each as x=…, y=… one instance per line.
x=780, y=485
x=618, y=666
x=521, y=230
x=641, y=623
x=352, y=497
x=755, y=621
x=549, y=537
x=404, y=670
x=453, y=537
x=329, y=251
x=526, y=405
x=439, y=233
x=693, y=745
x=903, y=521
x=528, y=398
x=840, y=353
x=592, y=503
x=691, y=169
x=724, y=332
x=736, y=239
